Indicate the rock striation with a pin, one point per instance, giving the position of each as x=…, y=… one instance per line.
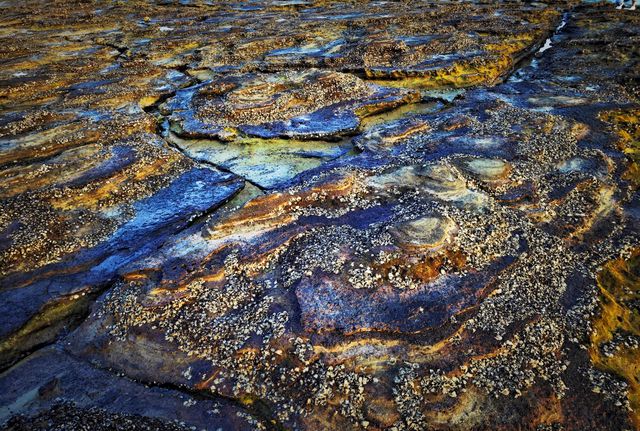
x=319, y=215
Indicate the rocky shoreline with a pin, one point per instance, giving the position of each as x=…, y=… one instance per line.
x=319, y=215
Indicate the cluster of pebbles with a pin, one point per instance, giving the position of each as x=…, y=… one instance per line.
x=473, y=266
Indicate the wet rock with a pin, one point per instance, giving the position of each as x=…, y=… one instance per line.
x=268, y=163
x=487, y=169
x=63, y=416
x=71, y=221
x=52, y=390
x=304, y=105
x=429, y=232
x=449, y=275
x=384, y=136
x=614, y=338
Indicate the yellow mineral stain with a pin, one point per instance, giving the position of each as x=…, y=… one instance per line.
x=119, y=185
x=52, y=318
x=626, y=124
x=619, y=284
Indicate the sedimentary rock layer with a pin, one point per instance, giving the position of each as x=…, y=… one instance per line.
x=286, y=215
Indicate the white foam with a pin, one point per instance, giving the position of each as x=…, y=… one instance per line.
x=546, y=46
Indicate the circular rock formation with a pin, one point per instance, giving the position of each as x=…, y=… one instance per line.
x=424, y=232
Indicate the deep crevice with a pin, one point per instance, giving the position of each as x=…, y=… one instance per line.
x=154, y=108
x=123, y=51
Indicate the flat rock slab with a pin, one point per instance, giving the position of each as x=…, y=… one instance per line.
x=438, y=271
x=311, y=104
x=276, y=125
x=90, y=55
x=61, y=391
x=471, y=266
x=268, y=163
x=70, y=221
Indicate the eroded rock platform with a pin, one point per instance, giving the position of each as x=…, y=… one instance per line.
x=319, y=215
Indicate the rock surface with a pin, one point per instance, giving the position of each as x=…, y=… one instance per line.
x=287, y=215
x=313, y=104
